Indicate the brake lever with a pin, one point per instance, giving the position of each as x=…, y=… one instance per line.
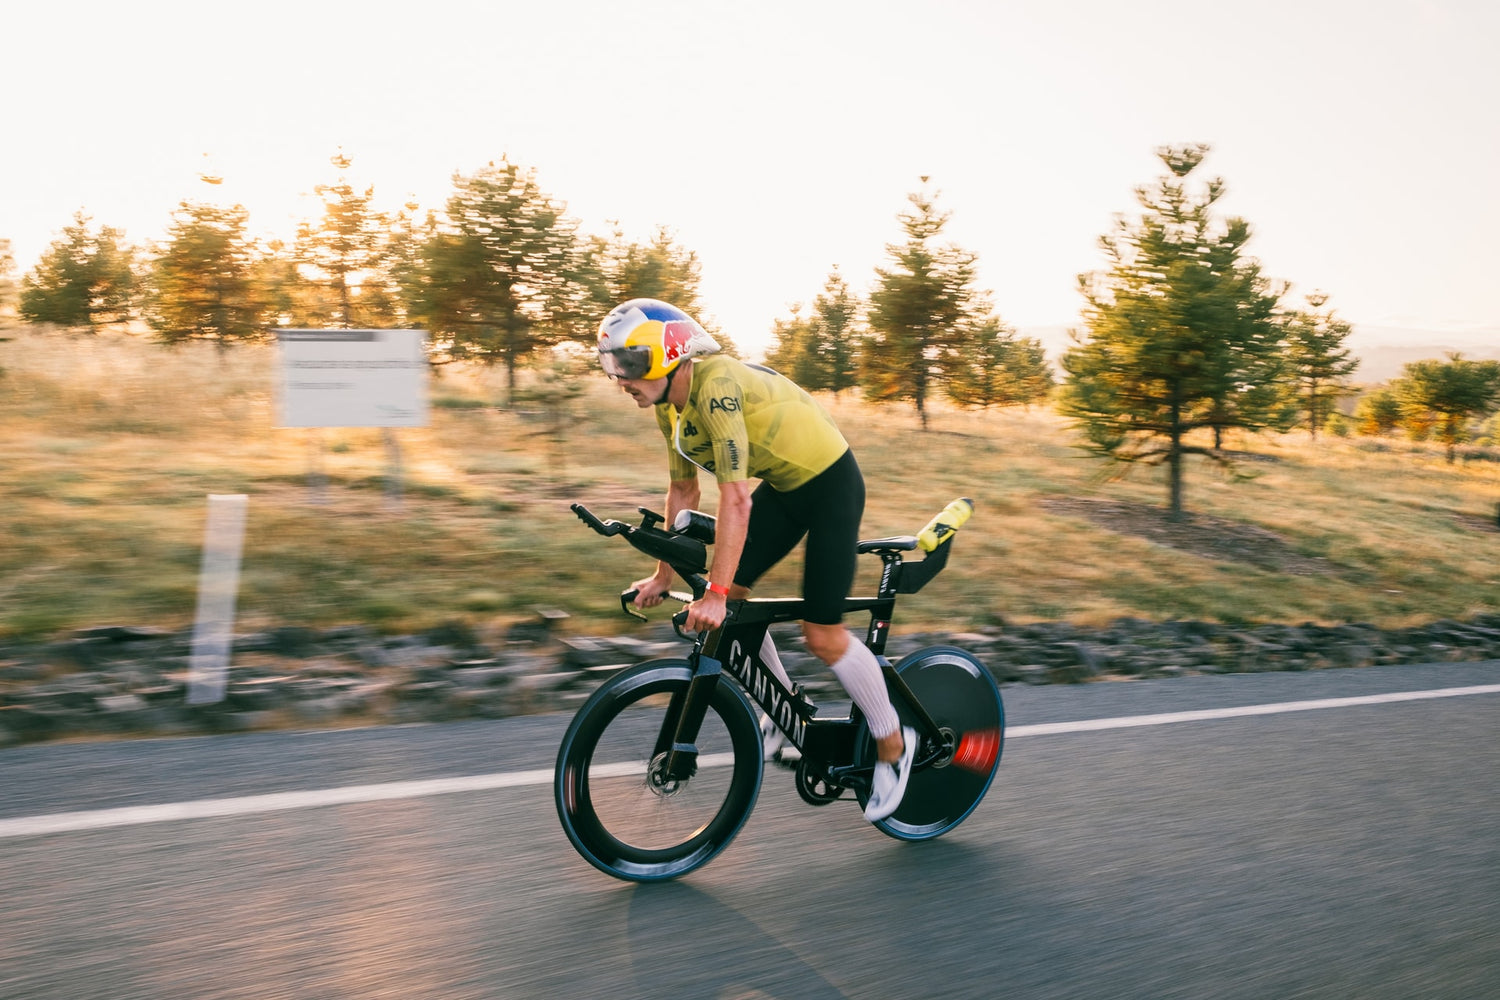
x=627, y=604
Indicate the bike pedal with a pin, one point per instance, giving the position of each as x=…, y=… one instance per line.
x=787, y=758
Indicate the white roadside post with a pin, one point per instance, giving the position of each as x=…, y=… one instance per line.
x=218, y=587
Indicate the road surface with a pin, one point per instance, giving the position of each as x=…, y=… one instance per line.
x=1331, y=834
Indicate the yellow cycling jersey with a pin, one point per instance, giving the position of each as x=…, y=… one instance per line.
x=744, y=420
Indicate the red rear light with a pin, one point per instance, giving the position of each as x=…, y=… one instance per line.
x=977, y=751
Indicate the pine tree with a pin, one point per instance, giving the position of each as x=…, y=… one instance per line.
x=343, y=259
x=1378, y=412
x=793, y=350
x=820, y=351
x=494, y=281
x=838, y=333
x=919, y=309
x=1442, y=397
x=1180, y=332
x=203, y=280
x=994, y=367
x=614, y=270
x=1318, y=362
x=84, y=279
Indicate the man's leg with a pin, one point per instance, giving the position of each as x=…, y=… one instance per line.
x=858, y=670
x=895, y=745
x=832, y=506
x=771, y=738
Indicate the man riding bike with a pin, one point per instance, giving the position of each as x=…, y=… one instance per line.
x=737, y=421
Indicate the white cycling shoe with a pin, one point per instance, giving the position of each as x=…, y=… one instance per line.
x=889, y=782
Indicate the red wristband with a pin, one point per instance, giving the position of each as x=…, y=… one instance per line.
x=719, y=588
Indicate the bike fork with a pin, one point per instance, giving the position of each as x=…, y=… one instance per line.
x=677, y=743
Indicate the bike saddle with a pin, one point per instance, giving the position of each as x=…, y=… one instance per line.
x=896, y=543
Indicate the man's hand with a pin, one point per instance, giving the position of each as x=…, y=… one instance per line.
x=706, y=613
x=650, y=591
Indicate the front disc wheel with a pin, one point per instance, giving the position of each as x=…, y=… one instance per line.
x=621, y=810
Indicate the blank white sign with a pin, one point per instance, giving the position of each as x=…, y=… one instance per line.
x=353, y=378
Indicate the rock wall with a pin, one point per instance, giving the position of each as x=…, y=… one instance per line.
x=124, y=681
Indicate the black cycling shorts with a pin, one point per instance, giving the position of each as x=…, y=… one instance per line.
x=827, y=510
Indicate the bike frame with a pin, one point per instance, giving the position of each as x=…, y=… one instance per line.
x=826, y=743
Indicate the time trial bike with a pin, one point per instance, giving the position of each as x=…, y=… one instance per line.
x=662, y=765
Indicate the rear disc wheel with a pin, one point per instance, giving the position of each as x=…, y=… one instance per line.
x=954, y=770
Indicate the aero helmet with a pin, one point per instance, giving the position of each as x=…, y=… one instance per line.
x=648, y=339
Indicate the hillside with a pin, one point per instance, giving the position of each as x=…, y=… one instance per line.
x=111, y=446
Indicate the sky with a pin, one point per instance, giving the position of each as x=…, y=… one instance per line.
x=779, y=140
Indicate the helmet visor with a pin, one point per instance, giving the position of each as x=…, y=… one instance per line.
x=626, y=362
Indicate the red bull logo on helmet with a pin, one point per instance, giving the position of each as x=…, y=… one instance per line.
x=675, y=336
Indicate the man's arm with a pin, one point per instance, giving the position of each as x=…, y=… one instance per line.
x=682, y=494
x=732, y=521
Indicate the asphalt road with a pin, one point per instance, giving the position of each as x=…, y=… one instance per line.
x=1347, y=851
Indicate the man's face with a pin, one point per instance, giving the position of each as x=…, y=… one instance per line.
x=645, y=391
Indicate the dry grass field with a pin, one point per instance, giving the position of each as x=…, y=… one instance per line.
x=110, y=446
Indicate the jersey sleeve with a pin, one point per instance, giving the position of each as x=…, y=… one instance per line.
x=678, y=466
x=721, y=408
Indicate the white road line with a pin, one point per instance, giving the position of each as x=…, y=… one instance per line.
x=1166, y=719
x=167, y=812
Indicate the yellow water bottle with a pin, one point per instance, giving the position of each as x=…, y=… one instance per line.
x=942, y=527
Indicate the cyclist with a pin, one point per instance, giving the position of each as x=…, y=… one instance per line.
x=736, y=421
